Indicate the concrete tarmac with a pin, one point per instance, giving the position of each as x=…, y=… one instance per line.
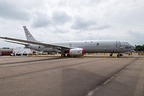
x=86, y=76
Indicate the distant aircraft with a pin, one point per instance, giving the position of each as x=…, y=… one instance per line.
x=77, y=48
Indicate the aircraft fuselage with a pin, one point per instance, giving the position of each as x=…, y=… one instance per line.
x=90, y=46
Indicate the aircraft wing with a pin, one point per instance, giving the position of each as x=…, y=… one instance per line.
x=38, y=43
x=17, y=42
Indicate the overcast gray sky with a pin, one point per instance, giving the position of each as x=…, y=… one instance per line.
x=66, y=20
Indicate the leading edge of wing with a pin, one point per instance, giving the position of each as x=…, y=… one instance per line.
x=21, y=43
x=37, y=43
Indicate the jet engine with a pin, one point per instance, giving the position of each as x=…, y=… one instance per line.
x=76, y=52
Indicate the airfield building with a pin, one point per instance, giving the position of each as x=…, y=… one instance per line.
x=5, y=51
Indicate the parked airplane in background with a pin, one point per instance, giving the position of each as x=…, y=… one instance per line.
x=77, y=48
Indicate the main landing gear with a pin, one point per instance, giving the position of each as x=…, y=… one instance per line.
x=63, y=55
x=119, y=55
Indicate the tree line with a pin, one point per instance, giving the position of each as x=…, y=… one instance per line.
x=139, y=48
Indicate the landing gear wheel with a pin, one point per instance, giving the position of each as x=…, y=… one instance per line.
x=111, y=54
x=119, y=55
x=62, y=55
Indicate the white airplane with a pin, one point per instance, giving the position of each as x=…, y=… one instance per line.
x=77, y=48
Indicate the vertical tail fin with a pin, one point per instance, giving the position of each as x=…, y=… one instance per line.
x=29, y=36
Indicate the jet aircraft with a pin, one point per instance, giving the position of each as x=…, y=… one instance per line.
x=75, y=48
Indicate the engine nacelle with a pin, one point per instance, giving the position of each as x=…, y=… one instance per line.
x=76, y=52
